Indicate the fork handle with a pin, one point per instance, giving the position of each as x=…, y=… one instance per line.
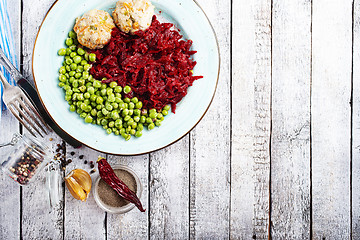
x=15, y=74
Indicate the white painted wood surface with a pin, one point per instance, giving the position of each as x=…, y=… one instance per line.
x=276, y=156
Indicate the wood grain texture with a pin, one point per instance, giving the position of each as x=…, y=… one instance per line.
x=10, y=192
x=290, y=138
x=134, y=224
x=37, y=221
x=83, y=220
x=251, y=91
x=169, y=192
x=210, y=144
x=356, y=124
x=331, y=118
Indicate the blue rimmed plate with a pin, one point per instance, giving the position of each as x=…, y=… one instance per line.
x=193, y=24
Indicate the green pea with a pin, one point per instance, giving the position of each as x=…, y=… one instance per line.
x=72, y=73
x=92, y=57
x=80, y=97
x=79, y=111
x=69, y=92
x=99, y=107
x=127, y=118
x=105, y=127
x=62, y=78
x=104, y=122
x=99, y=114
x=80, y=51
x=91, y=90
x=78, y=75
x=67, y=68
x=83, y=115
x=109, y=131
x=80, y=69
x=77, y=59
x=138, y=134
x=118, y=100
x=68, y=51
x=82, y=88
x=118, y=123
x=93, y=112
x=71, y=79
x=62, y=52
x=116, y=132
x=73, y=54
x=125, y=111
x=111, y=124
x=73, y=66
x=103, y=92
x=86, y=95
x=137, y=112
x=67, y=97
x=151, y=126
x=164, y=112
x=108, y=107
x=111, y=98
x=73, y=47
x=68, y=61
x=132, y=131
x=103, y=85
x=62, y=70
x=127, y=100
x=72, y=34
x=115, y=105
x=72, y=108
x=121, y=106
x=87, y=67
x=97, y=84
x=113, y=84
x=131, y=112
x=167, y=107
x=117, y=89
x=104, y=111
x=158, y=123
x=99, y=100
x=93, y=98
x=152, y=115
x=135, y=100
x=130, y=121
x=131, y=105
x=143, y=119
x=75, y=83
x=149, y=120
x=88, y=119
x=159, y=116
x=127, y=89
x=136, y=118
x=122, y=131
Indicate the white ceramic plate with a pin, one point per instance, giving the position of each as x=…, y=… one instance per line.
x=193, y=24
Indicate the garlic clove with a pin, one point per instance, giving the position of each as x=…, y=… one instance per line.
x=79, y=184
x=83, y=178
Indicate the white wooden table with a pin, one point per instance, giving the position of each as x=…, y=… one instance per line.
x=277, y=154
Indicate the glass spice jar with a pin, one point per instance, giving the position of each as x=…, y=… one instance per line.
x=25, y=159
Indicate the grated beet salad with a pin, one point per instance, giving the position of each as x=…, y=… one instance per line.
x=156, y=64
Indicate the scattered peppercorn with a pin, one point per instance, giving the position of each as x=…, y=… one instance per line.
x=92, y=166
x=81, y=156
x=72, y=153
x=92, y=171
x=85, y=162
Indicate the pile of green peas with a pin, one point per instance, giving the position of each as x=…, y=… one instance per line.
x=100, y=103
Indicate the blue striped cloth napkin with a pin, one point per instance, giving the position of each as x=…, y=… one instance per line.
x=6, y=44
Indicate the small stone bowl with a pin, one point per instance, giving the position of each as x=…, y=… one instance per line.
x=123, y=209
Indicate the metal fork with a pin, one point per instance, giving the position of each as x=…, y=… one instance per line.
x=22, y=108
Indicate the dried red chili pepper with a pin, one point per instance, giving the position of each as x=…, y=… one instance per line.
x=108, y=175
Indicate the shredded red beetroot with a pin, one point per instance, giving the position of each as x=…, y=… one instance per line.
x=156, y=64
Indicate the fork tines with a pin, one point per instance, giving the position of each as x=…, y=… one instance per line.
x=28, y=116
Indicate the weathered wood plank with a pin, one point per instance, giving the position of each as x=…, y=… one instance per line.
x=37, y=222
x=134, y=224
x=356, y=124
x=290, y=139
x=10, y=192
x=169, y=192
x=83, y=220
x=330, y=118
x=210, y=144
x=251, y=90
